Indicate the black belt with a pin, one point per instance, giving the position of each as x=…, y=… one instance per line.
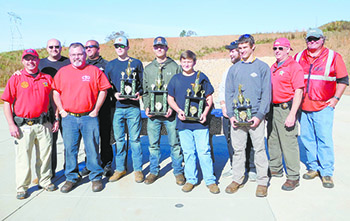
x=31, y=121
x=79, y=114
x=284, y=105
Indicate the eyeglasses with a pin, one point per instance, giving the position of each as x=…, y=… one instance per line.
x=119, y=46
x=54, y=46
x=279, y=48
x=310, y=39
x=91, y=46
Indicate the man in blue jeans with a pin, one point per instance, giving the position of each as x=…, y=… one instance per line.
x=162, y=68
x=79, y=93
x=127, y=109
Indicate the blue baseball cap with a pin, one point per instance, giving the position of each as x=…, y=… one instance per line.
x=160, y=41
x=232, y=45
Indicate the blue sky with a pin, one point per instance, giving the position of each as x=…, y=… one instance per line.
x=77, y=20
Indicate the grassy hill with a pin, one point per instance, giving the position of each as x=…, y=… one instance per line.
x=210, y=47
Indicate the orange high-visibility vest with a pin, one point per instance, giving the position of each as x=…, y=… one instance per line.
x=319, y=77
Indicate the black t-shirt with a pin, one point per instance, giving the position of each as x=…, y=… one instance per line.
x=49, y=67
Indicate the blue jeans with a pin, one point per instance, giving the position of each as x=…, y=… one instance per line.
x=153, y=129
x=316, y=136
x=73, y=129
x=132, y=115
x=193, y=141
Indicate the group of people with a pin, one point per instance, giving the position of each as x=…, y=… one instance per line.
x=86, y=98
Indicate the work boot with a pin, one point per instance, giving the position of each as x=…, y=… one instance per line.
x=180, y=179
x=261, y=191
x=188, y=187
x=139, y=177
x=233, y=187
x=117, y=175
x=310, y=175
x=327, y=182
x=290, y=185
x=213, y=188
x=151, y=178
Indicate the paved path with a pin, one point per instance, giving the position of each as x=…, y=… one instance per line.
x=164, y=200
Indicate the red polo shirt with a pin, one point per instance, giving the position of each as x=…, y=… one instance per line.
x=29, y=95
x=79, y=88
x=285, y=80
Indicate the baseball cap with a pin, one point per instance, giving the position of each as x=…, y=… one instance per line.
x=160, y=41
x=284, y=42
x=121, y=40
x=30, y=52
x=314, y=32
x=232, y=45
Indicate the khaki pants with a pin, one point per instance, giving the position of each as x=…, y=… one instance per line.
x=39, y=135
x=239, y=141
x=283, y=141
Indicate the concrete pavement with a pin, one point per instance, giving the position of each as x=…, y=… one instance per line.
x=164, y=200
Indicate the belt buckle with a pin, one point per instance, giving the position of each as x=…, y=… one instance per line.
x=284, y=106
x=30, y=123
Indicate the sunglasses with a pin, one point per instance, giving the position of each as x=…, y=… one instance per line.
x=91, y=46
x=279, y=48
x=119, y=46
x=310, y=39
x=56, y=46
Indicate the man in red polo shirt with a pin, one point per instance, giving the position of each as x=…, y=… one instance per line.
x=80, y=90
x=326, y=78
x=287, y=78
x=26, y=101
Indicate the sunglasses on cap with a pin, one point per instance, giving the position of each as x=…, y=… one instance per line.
x=310, y=39
x=91, y=46
x=119, y=46
x=54, y=46
x=279, y=48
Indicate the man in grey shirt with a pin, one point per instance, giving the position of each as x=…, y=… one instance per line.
x=255, y=79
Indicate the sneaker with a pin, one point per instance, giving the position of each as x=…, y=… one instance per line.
x=233, y=187
x=107, y=170
x=252, y=176
x=310, y=175
x=327, y=182
x=151, y=178
x=84, y=172
x=180, y=179
x=117, y=175
x=290, y=185
x=227, y=174
x=21, y=195
x=51, y=187
x=213, y=188
x=188, y=187
x=139, y=177
x=261, y=191
x=276, y=174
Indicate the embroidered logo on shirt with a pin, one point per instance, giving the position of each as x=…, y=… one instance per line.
x=281, y=73
x=85, y=78
x=45, y=84
x=254, y=74
x=24, y=84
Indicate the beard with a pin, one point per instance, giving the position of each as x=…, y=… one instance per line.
x=77, y=63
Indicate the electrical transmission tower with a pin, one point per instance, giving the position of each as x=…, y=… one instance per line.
x=17, y=41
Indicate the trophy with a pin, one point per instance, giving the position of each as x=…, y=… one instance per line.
x=128, y=84
x=242, y=109
x=194, y=104
x=158, y=96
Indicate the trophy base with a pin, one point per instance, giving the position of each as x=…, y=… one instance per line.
x=127, y=96
x=243, y=124
x=158, y=113
x=192, y=118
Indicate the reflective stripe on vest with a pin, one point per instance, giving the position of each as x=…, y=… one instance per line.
x=325, y=77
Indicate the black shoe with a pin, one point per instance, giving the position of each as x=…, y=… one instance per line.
x=84, y=172
x=107, y=170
